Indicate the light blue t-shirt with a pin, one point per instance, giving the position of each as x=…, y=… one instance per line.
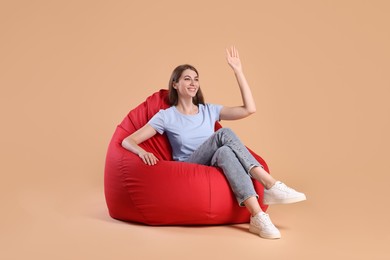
x=186, y=132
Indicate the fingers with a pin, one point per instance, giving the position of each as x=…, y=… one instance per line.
x=227, y=53
x=149, y=158
x=233, y=58
x=232, y=52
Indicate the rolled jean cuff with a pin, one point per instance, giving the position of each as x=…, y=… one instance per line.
x=253, y=166
x=241, y=202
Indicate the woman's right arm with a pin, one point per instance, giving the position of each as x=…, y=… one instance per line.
x=131, y=143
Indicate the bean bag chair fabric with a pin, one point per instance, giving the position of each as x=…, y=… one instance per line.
x=170, y=192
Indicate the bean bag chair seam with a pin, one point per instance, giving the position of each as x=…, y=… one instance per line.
x=210, y=202
x=122, y=177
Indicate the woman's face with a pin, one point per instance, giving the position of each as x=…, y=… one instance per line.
x=188, y=84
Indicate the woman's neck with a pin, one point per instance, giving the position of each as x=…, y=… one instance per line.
x=187, y=107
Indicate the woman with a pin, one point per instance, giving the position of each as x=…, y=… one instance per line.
x=189, y=125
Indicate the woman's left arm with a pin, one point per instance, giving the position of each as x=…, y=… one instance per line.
x=249, y=106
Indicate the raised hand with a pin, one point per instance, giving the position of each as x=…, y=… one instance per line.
x=233, y=59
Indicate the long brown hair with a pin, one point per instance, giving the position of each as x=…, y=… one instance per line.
x=172, y=92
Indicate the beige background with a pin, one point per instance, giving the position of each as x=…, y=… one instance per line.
x=71, y=70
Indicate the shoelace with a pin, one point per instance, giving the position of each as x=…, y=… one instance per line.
x=266, y=220
x=284, y=187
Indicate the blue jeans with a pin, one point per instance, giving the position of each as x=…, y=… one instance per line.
x=224, y=150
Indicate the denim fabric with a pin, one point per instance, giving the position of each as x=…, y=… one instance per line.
x=223, y=149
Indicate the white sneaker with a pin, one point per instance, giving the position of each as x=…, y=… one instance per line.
x=281, y=194
x=261, y=225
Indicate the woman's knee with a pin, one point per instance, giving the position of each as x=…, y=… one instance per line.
x=223, y=153
x=226, y=131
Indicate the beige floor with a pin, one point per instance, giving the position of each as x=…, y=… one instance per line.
x=319, y=72
x=71, y=222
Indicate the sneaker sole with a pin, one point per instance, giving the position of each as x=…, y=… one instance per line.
x=284, y=201
x=257, y=231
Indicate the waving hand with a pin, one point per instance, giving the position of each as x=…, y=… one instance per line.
x=233, y=59
x=248, y=104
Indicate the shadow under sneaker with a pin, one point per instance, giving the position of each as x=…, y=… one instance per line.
x=281, y=194
x=261, y=225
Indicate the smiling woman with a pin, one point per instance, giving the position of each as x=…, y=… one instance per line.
x=187, y=76
x=189, y=125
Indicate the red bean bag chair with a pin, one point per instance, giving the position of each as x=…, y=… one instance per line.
x=170, y=192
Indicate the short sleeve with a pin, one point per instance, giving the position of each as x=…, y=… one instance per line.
x=157, y=122
x=215, y=111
